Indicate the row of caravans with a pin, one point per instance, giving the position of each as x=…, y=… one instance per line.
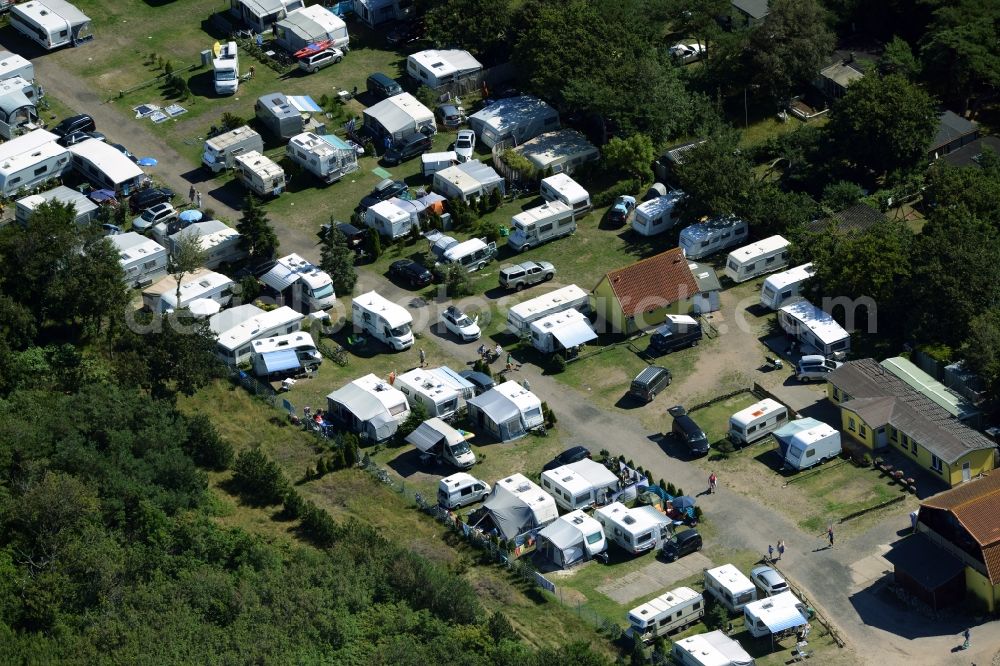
x=802, y=442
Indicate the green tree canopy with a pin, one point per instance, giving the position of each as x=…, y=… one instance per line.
x=789, y=46
x=716, y=177
x=632, y=156
x=898, y=58
x=337, y=259
x=257, y=235
x=481, y=26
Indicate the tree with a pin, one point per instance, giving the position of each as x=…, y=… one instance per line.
x=418, y=414
x=841, y=194
x=632, y=156
x=204, y=444
x=976, y=190
x=959, y=51
x=90, y=286
x=337, y=259
x=697, y=18
x=789, y=47
x=898, y=58
x=500, y=628
x=771, y=210
x=883, y=123
x=172, y=355
x=981, y=350
x=373, y=244
x=482, y=26
x=257, y=235
x=716, y=178
x=187, y=256
x=259, y=478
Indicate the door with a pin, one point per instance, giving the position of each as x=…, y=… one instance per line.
x=966, y=471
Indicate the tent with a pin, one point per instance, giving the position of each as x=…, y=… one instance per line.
x=507, y=411
x=571, y=538
x=279, y=361
x=517, y=505
x=398, y=118
x=469, y=179
x=362, y=411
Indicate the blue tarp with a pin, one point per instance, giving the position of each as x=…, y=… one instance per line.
x=278, y=361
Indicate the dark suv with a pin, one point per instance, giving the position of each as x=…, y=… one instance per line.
x=649, y=382
x=80, y=123
x=386, y=189
x=148, y=198
x=687, y=431
x=570, y=455
x=407, y=149
x=681, y=544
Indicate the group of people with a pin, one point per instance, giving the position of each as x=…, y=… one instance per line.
x=194, y=196
x=780, y=549
x=489, y=355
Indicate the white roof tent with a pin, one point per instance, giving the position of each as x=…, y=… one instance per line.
x=106, y=167
x=466, y=180
x=507, y=411
x=560, y=151
x=51, y=23
x=517, y=506
x=515, y=119
x=572, y=538
x=370, y=406
x=711, y=649
x=398, y=117
x=437, y=68
x=309, y=25
x=814, y=327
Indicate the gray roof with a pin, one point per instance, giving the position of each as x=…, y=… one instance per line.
x=951, y=126
x=497, y=406
x=756, y=9
x=842, y=73
x=859, y=217
x=881, y=398
x=705, y=277
x=358, y=401
x=969, y=154
x=232, y=317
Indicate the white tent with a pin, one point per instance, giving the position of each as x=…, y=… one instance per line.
x=517, y=506
x=507, y=411
x=398, y=117
x=309, y=25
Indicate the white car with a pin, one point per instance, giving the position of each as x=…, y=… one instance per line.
x=768, y=581
x=317, y=61
x=161, y=212
x=465, y=143
x=460, y=324
x=815, y=367
x=687, y=52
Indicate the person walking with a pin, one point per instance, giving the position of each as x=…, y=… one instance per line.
x=781, y=549
x=423, y=358
x=967, y=636
x=713, y=481
x=510, y=362
x=197, y=196
x=498, y=350
x=482, y=352
x=829, y=535
x=191, y=193
x=770, y=553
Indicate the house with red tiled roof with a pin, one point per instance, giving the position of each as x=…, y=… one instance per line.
x=640, y=295
x=955, y=552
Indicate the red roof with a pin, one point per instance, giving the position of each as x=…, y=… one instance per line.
x=653, y=283
x=976, y=505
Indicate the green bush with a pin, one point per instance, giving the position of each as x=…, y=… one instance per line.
x=457, y=282
x=671, y=490
x=205, y=446
x=557, y=364
x=606, y=197
x=258, y=478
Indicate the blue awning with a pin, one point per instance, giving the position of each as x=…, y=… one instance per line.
x=304, y=103
x=278, y=361
x=781, y=619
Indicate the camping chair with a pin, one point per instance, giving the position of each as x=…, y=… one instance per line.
x=800, y=652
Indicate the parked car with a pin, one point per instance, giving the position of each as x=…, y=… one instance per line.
x=768, y=580
x=110, y=229
x=621, y=209
x=687, y=431
x=80, y=123
x=407, y=149
x=73, y=138
x=460, y=324
x=526, y=274
x=317, y=61
x=411, y=273
x=151, y=196
x=681, y=544
x=481, y=381
x=687, y=52
x=355, y=237
x=161, y=212
x=386, y=189
x=649, y=382
x=449, y=115
x=125, y=151
x=465, y=143
x=404, y=33
x=813, y=367
x=382, y=87
x=570, y=455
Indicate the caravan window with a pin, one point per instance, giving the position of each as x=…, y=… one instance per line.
x=545, y=228
x=40, y=170
x=565, y=223
x=396, y=410
x=581, y=499
x=243, y=351
x=643, y=538
x=810, y=453
x=769, y=260
x=533, y=413
x=750, y=267
x=733, y=265
x=594, y=538
x=744, y=598
x=786, y=294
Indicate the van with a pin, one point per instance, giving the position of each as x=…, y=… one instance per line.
x=649, y=382
x=461, y=489
x=815, y=367
x=532, y=227
x=407, y=149
x=666, y=613
x=687, y=431
x=730, y=587
x=472, y=255
x=757, y=421
x=681, y=544
x=317, y=61
x=382, y=87
x=383, y=320
x=677, y=331
x=764, y=256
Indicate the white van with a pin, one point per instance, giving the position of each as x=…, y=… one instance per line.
x=541, y=224
x=730, y=587
x=705, y=238
x=561, y=187
x=758, y=258
x=785, y=286
x=472, y=254
x=383, y=320
x=666, y=613
x=226, y=69
x=461, y=489
x=757, y=421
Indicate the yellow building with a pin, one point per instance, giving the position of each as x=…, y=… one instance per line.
x=640, y=295
x=883, y=412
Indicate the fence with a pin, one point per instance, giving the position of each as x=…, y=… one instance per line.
x=258, y=388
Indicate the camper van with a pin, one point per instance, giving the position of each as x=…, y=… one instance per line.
x=814, y=329
x=31, y=159
x=785, y=286
x=764, y=256
x=805, y=443
x=562, y=332
x=580, y=485
x=657, y=215
x=472, y=254
x=706, y=238
x=520, y=316
x=236, y=328
x=538, y=225
x=436, y=439
x=327, y=158
x=383, y=320
x=300, y=284
x=634, y=530
x=461, y=489
x=773, y=614
x=259, y=174
x=51, y=23
x=730, y=587
x=561, y=187
x=284, y=353
x=226, y=69
x=221, y=149
x=420, y=386
x=665, y=614
x=757, y=421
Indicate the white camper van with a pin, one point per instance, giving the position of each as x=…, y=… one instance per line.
x=226, y=69
x=561, y=332
x=757, y=421
x=461, y=489
x=221, y=149
x=383, y=320
x=421, y=386
x=785, y=286
x=571, y=297
x=436, y=439
x=773, y=614
x=730, y=587
x=329, y=159
x=301, y=284
x=814, y=328
x=656, y=215
x=259, y=174
x=764, y=256
x=561, y=187
x=808, y=442
x=635, y=530
x=665, y=614
x=705, y=238
x=538, y=225
x=580, y=485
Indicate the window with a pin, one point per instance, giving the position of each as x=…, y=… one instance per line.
x=545, y=228
x=769, y=261
x=893, y=434
x=40, y=170
x=913, y=445
x=836, y=394
x=862, y=431
x=936, y=464
x=850, y=423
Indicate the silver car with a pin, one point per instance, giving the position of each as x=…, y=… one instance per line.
x=814, y=367
x=317, y=61
x=526, y=274
x=465, y=143
x=768, y=581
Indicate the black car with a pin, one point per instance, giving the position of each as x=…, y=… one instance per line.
x=404, y=33
x=687, y=431
x=125, y=151
x=681, y=544
x=387, y=189
x=73, y=138
x=407, y=149
x=571, y=455
x=411, y=273
x=481, y=381
x=80, y=123
x=151, y=196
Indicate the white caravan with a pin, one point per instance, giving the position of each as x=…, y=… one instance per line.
x=774, y=614
x=301, y=284
x=807, y=442
x=635, y=530
x=764, y=256
x=369, y=406
x=461, y=489
x=12, y=64
x=431, y=163
x=329, y=159
x=666, y=613
x=259, y=174
x=292, y=351
x=814, y=328
x=571, y=297
x=656, y=215
x=757, y=421
x=51, y=23
x=561, y=187
x=31, y=159
x=436, y=439
x=423, y=387
x=142, y=259
x=221, y=149
x=705, y=238
x=389, y=220
x=226, y=69
x=711, y=649
x=161, y=297
x=85, y=209
x=730, y=587
x=561, y=331
x=538, y=225
x=106, y=167
x=383, y=320
x=785, y=286
x=580, y=485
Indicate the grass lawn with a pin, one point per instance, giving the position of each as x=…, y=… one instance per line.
x=714, y=419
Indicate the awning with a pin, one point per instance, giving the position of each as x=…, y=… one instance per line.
x=497, y=406
x=424, y=437
x=278, y=361
x=336, y=142
x=783, y=618
x=575, y=333
x=304, y=103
